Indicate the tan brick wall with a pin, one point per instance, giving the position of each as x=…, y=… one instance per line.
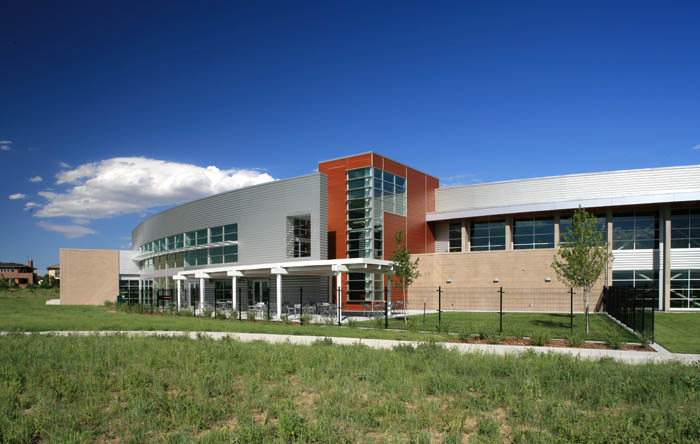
x=89, y=277
x=521, y=273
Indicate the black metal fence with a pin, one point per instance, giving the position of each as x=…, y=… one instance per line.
x=634, y=307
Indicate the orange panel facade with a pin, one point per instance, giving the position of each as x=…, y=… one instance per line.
x=420, y=198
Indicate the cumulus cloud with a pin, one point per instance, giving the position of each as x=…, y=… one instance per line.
x=35, y=179
x=69, y=231
x=5, y=145
x=697, y=147
x=17, y=196
x=459, y=180
x=124, y=185
x=63, y=165
x=30, y=205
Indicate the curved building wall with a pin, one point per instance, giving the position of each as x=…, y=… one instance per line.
x=261, y=213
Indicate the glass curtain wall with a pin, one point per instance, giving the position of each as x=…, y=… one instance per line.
x=370, y=193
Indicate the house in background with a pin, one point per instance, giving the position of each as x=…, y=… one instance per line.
x=55, y=272
x=21, y=274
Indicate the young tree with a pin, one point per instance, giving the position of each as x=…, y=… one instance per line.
x=583, y=255
x=405, y=270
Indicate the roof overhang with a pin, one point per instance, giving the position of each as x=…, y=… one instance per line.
x=565, y=205
x=297, y=268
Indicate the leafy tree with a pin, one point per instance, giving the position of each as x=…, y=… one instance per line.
x=583, y=255
x=48, y=281
x=405, y=270
x=4, y=282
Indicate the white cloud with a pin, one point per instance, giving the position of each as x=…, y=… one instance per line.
x=81, y=221
x=697, y=147
x=459, y=180
x=134, y=184
x=63, y=165
x=69, y=231
x=36, y=179
x=5, y=145
x=30, y=205
x=17, y=196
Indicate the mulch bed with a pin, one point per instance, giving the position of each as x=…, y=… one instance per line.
x=553, y=343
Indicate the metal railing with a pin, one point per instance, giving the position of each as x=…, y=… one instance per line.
x=634, y=307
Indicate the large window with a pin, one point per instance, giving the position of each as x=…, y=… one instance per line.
x=487, y=235
x=196, y=257
x=359, y=213
x=129, y=290
x=302, y=237
x=455, y=237
x=636, y=278
x=565, y=226
x=635, y=231
x=223, y=291
x=685, y=288
x=223, y=255
x=685, y=228
x=533, y=232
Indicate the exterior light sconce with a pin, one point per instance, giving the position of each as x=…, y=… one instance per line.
x=548, y=279
x=495, y=280
x=449, y=281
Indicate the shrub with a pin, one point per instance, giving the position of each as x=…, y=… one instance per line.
x=576, y=340
x=541, y=337
x=486, y=333
x=613, y=342
x=208, y=312
x=285, y=319
x=221, y=315
x=250, y=315
x=305, y=319
x=108, y=304
x=352, y=323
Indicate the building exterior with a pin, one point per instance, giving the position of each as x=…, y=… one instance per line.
x=54, y=271
x=328, y=236
x=22, y=275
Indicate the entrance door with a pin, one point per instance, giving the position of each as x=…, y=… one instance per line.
x=258, y=291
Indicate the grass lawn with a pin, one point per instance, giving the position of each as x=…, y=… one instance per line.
x=177, y=390
x=515, y=324
x=678, y=332
x=26, y=310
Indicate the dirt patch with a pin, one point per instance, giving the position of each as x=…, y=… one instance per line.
x=558, y=343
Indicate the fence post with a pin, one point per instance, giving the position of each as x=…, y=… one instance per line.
x=439, y=305
x=386, y=308
x=500, y=310
x=572, y=310
x=423, y=308
x=240, y=303
x=301, y=301
x=268, y=304
x=634, y=310
x=340, y=313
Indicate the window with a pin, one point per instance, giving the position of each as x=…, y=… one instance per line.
x=635, y=231
x=455, y=237
x=302, y=237
x=488, y=235
x=231, y=232
x=635, y=278
x=217, y=234
x=129, y=290
x=685, y=228
x=202, y=237
x=223, y=290
x=191, y=239
x=223, y=255
x=179, y=241
x=196, y=257
x=565, y=226
x=535, y=232
x=685, y=288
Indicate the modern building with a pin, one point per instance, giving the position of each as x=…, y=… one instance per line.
x=328, y=236
x=22, y=275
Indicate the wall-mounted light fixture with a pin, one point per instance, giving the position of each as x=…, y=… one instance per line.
x=449, y=281
x=495, y=280
x=548, y=279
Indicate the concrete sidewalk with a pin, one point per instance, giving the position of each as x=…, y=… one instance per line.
x=629, y=357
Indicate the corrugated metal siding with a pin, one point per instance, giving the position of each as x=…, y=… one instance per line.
x=569, y=188
x=442, y=237
x=126, y=265
x=684, y=258
x=637, y=259
x=260, y=212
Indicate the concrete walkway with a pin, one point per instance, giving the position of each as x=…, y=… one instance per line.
x=629, y=357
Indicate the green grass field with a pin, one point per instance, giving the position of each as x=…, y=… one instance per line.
x=26, y=311
x=678, y=332
x=177, y=390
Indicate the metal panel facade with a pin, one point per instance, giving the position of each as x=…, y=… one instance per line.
x=260, y=212
x=683, y=258
x=569, y=188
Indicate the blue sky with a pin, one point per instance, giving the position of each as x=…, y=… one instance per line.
x=120, y=107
